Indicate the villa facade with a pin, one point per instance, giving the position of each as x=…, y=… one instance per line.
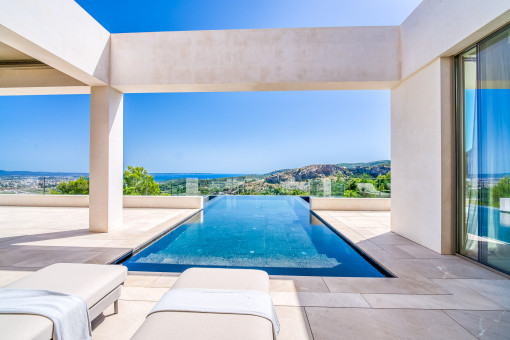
x=447, y=66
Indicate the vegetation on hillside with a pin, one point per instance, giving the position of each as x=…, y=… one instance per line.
x=369, y=180
x=77, y=187
x=500, y=190
x=137, y=181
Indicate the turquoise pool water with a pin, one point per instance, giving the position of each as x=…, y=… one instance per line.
x=277, y=234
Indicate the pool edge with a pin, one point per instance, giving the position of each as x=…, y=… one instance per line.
x=382, y=269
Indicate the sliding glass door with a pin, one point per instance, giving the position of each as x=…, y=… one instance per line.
x=483, y=132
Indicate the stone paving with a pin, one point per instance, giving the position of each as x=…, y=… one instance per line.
x=433, y=297
x=33, y=237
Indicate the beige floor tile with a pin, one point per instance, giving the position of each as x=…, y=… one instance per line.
x=121, y=326
x=455, y=268
x=421, y=252
x=375, y=231
x=496, y=290
x=142, y=293
x=59, y=234
x=9, y=257
x=49, y=257
x=365, y=323
x=293, y=323
x=166, y=280
x=484, y=324
x=390, y=238
x=109, y=256
x=297, y=284
x=473, y=301
x=8, y=276
x=298, y=299
x=382, y=285
x=396, y=251
x=141, y=279
x=342, y=213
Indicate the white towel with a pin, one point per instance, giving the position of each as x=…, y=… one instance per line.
x=69, y=313
x=221, y=301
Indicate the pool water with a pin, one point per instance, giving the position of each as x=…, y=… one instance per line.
x=489, y=222
x=277, y=234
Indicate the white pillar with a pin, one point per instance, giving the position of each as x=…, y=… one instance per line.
x=106, y=157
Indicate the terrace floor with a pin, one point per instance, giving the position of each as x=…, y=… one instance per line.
x=35, y=237
x=434, y=296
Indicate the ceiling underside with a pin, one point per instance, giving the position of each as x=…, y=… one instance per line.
x=12, y=58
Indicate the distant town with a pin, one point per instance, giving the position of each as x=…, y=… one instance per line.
x=27, y=184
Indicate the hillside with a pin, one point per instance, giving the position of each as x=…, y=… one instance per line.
x=329, y=170
x=304, y=173
x=367, y=164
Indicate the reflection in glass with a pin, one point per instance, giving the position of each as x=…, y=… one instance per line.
x=483, y=111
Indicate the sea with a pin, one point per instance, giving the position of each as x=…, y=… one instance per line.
x=158, y=177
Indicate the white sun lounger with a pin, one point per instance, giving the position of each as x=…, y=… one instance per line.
x=98, y=285
x=201, y=325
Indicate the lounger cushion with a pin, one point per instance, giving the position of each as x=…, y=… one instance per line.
x=92, y=282
x=23, y=326
x=204, y=326
x=198, y=326
x=217, y=278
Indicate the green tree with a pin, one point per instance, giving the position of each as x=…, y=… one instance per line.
x=137, y=181
x=351, y=185
x=382, y=182
x=500, y=190
x=77, y=187
x=351, y=193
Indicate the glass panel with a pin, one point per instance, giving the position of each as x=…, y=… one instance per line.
x=483, y=102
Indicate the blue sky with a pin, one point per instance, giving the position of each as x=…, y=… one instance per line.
x=121, y=16
x=240, y=132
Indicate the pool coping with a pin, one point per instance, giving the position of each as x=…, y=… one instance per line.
x=382, y=269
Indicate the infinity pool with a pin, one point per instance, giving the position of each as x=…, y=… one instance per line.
x=277, y=234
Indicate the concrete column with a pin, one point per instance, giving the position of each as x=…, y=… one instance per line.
x=106, y=157
x=423, y=157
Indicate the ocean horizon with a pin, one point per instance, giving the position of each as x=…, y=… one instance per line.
x=166, y=176
x=158, y=176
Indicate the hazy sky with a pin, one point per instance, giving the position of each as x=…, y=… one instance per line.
x=240, y=132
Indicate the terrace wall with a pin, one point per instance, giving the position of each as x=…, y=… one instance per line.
x=167, y=202
x=350, y=204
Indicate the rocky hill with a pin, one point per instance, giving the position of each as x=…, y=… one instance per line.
x=328, y=170
x=304, y=173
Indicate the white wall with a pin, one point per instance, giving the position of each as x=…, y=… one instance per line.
x=346, y=204
x=45, y=200
x=256, y=59
x=166, y=202
x=422, y=157
x=446, y=27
